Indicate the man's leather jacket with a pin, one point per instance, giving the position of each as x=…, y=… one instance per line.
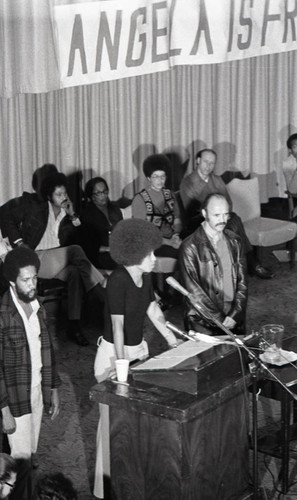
x=202, y=276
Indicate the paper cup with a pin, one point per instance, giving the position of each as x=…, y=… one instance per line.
x=122, y=367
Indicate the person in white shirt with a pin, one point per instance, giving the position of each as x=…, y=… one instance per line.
x=50, y=227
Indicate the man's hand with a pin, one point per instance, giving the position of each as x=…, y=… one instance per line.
x=8, y=421
x=229, y=322
x=55, y=405
x=68, y=207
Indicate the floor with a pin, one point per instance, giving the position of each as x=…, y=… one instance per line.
x=68, y=443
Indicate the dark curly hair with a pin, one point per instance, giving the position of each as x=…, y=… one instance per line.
x=7, y=466
x=292, y=138
x=132, y=240
x=18, y=258
x=90, y=186
x=55, y=486
x=51, y=182
x=156, y=162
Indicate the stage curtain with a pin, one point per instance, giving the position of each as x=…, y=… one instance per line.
x=244, y=109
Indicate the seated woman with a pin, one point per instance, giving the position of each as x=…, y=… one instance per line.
x=98, y=220
x=130, y=297
x=158, y=205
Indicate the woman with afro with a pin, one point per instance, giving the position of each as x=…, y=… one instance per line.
x=130, y=297
x=157, y=204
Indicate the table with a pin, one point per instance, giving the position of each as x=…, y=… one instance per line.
x=278, y=444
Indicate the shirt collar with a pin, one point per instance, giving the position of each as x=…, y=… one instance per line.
x=204, y=180
x=61, y=214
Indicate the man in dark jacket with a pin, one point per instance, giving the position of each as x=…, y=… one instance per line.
x=197, y=186
x=213, y=270
x=50, y=227
x=28, y=377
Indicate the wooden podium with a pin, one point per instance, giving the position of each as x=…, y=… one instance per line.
x=180, y=434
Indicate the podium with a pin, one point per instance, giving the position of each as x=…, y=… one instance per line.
x=180, y=433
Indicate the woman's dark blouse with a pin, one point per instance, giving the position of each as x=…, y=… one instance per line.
x=96, y=228
x=126, y=299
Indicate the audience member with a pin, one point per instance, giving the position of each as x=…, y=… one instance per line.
x=193, y=191
x=54, y=486
x=158, y=205
x=8, y=475
x=49, y=227
x=213, y=270
x=29, y=380
x=130, y=297
x=98, y=220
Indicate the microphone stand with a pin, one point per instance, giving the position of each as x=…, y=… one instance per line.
x=253, y=367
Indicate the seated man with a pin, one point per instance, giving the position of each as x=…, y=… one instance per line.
x=213, y=270
x=197, y=186
x=50, y=227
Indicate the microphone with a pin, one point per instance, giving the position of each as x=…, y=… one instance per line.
x=177, y=286
x=178, y=331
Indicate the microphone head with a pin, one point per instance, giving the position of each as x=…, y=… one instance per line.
x=177, y=286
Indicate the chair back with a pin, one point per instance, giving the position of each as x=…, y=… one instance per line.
x=127, y=212
x=245, y=198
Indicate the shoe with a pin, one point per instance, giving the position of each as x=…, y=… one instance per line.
x=262, y=272
x=78, y=338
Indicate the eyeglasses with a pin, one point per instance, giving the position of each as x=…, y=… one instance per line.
x=158, y=176
x=98, y=193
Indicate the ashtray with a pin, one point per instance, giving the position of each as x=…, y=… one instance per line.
x=278, y=358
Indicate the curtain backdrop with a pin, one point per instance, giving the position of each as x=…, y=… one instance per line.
x=244, y=109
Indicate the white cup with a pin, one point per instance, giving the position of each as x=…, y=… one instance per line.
x=122, y=368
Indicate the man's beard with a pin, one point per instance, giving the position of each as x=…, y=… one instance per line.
x=25, y=297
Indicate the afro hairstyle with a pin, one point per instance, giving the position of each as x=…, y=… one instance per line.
x=18, y=258
x=92, y=183
x=7, y=466
x=156, y=162
x=132, y=240
x=54, y=485
x=51, y=182
x=292, y=138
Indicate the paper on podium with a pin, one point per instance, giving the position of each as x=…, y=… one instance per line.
x=173, y=357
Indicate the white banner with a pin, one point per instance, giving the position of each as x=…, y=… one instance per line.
x=109, y=40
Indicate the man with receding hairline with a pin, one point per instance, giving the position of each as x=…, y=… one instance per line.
x=213, y=270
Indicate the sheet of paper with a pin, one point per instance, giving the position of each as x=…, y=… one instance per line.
x=173, y=357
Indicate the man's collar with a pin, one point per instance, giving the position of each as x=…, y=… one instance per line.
x=60, y=215
x=204, y=180
x=34, y=303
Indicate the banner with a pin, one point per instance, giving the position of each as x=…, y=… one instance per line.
x=113, y=39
